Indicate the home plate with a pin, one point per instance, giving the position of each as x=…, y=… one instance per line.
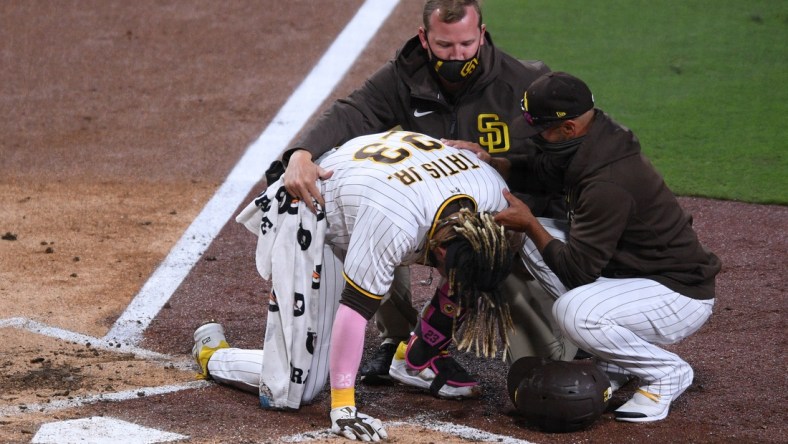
x=100, y=430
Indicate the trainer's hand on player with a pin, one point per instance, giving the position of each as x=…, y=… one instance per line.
x=517, y=216
x=477, y=149
x=351, y=424
x=301, y=177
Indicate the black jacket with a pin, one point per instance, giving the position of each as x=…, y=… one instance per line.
x=625, y=221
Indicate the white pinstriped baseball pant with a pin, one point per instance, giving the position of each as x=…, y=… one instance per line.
x=241, y=368
x=620, y=321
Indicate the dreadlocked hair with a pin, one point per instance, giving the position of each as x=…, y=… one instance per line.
x=478, y=259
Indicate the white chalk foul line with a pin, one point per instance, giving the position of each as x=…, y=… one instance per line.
x=249, y=170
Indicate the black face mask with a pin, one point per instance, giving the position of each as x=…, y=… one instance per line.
x=565, y=148
x=555, y=160
x=454, y=71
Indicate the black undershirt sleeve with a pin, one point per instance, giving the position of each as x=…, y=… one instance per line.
x=361, y=303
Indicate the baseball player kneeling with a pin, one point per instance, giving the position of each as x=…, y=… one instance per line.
x=393, y=198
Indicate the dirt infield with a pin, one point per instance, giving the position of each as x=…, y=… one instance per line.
x=121, y=119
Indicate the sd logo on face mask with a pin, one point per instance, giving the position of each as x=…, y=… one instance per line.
x=455, y=71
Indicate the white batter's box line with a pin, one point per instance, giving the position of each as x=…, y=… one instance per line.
x=460, y=431
x=464, y=432
x=101, y=397
x=97, y=343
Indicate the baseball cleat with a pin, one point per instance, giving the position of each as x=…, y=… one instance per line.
x=376, y=370
x=647, y=407
x=644, y=407
x=443, y=376
x=207, y=339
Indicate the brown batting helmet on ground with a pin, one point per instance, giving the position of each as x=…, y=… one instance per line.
x=558, y=396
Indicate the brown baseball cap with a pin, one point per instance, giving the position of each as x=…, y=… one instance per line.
x=554, y=97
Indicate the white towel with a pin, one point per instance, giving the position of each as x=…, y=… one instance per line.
x=289, y=249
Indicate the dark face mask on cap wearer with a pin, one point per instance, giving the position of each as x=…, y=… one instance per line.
x=558, y=149
x=555, y=160
x=453, y=71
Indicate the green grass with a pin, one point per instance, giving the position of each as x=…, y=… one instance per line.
x=702, y=83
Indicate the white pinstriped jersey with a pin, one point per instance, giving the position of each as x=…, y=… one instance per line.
x=385, y=194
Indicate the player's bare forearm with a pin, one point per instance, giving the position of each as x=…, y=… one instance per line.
x=518, y=217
